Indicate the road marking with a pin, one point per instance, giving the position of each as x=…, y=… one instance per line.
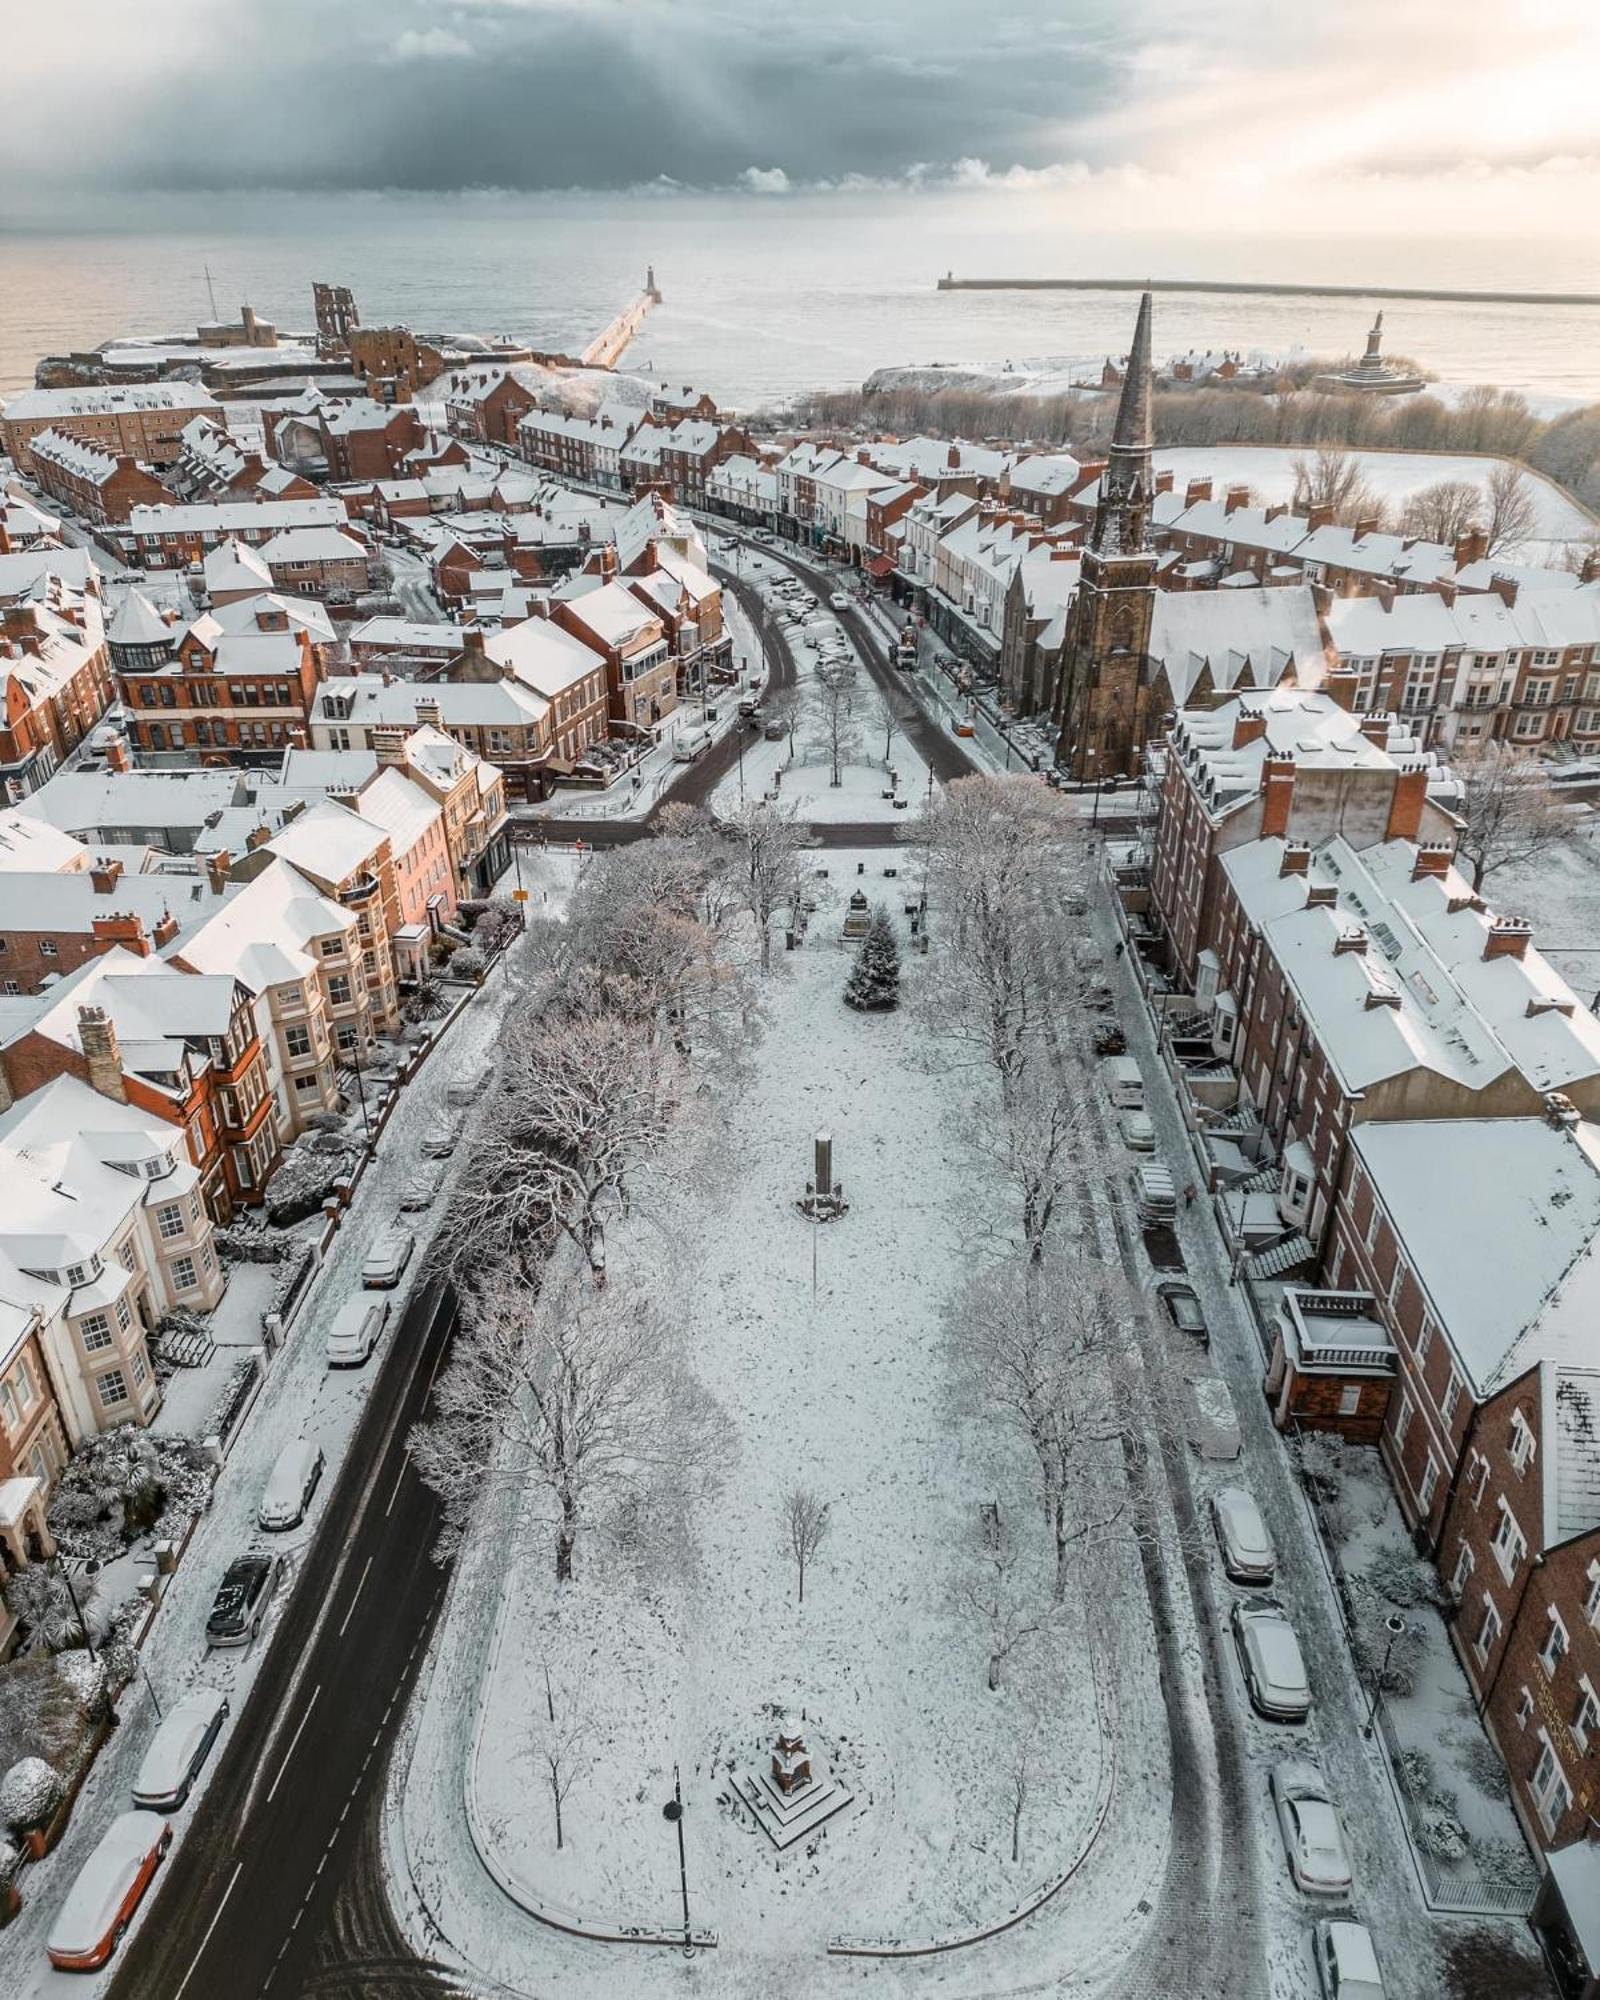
x=350, y=1611
x=394, y=1491
x=238, y=1870
x=293, y=1740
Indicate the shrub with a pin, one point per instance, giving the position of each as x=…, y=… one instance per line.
x=29, y=1794
x=1502, y=1861
x=1483, y=1764
x=1403, y=1579
x=123, y=1483
x=468, y=963
x=1440, y=1833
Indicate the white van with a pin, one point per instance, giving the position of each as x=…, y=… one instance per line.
x=290, y=1485
x=1124, y=1084
x=689, y=745
x=177, y=1750
x=354, y=1334
x=1154, y=1195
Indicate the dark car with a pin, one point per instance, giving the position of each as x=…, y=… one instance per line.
x=241, y=1601
x=1183, y=1309
x=1109, y=1040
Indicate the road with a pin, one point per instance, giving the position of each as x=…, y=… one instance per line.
x=275, y=1887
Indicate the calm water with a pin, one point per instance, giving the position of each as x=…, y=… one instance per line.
x=766, y=297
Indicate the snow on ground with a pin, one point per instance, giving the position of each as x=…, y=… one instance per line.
x=1559, y=894
x=844, y=1395
x=806, y=783
x=301, y=1398
x=1392, y=475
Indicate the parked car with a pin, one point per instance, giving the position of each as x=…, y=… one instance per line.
x=1138, y=1131
x=420, y=1190
x=241, y=1600
x=1347, y=1965
x=1183, y=1309
x=1124, y=1084
x=1313, y=1838
x=441, y=1141
x=839, y=600
x=1154, y=1195
x=468, y=1089
x=386, y=1261
x=180, y=1746
x=1109, y=1040
x=355, y=1331
x=774, y=731
x=1247, y=1553
x=1213, y=1421
x=1269, y=1656
x=295, y=1475
x=110, y=1886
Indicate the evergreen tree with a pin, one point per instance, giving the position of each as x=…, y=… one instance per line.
x=874, y=982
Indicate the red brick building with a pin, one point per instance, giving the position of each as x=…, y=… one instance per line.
x=231, y=697
x=487, y=404
x=182, y=1045
x=51, y=924
x=364, y=440
x=55, y=678
x=98, y=486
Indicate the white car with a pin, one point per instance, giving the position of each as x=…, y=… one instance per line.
x=177, y=1750
x=1269, y=1655
x=1138, y=1130
x=421, y=1189
x=294, y=1477
x=1313, y=1839
x=839, y=601
x=110, y=1886
x=355, y=1331
x=441, y=1141
x=387, y=1259
x=1247, y=1553
x=1347, y=1965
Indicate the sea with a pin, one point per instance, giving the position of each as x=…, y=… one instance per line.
x=764, y=297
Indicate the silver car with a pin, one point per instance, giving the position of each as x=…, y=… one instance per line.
x=387, y=1259
x=1270, y=1658
x=1247, y=1553
x=1313, y=1838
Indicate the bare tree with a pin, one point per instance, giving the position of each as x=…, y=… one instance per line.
x=1042, y=1138
x=1001, y=852
x=767, y=877
x=568, y=1759
x=805, y=1529
x=1510, y=814
x=1019, y=1787
x=1029, y=1777
x=994, y=1596
x=1444, y=511
x=582, y=1105
x=1040, y=1345
x=885, y=711
x=573, y=1399
x=1333, y=478
x=835, y=700
x=1510, y=512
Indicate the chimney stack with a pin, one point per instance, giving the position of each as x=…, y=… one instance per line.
x=1352, y=941
x=1319, y=516
x=1507, y=937
x=1471, y=547
x=1505, y=588
x=105, y=875
x=1295, y=859
x=98, y=1040
x=1238, y=496
x=1432, y=858
x=218, y=866
x=1249, y=726
x=117, y=758
x=1406, y=801
x=1277, y=795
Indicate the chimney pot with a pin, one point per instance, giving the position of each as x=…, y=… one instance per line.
x=1507, y=937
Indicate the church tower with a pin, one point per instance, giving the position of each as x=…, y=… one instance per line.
x=1103, y=694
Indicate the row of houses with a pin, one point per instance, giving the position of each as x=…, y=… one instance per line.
x=1395, y=1102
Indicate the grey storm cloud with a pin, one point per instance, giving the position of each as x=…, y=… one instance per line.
x=596, y=93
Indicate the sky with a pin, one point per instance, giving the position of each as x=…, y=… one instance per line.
x=1362, y=113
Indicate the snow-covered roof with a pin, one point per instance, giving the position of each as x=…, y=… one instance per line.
x=88, y=462
x=543, y=656
x=1301, y=723
x=407, y=635
x=51, y=904
x=243, y=615
x=1500, y=1220
x=157, y=1011
x=1248, y=641
x=329, y=843
x=263, y=934
x=82, y=802
x=68, y=1156
x=366, y=701
x=1575, y=1870
x=400, y=808
x=28, y=405
x=234, y=566
x=35, y=846
x=319, y=772
x=1482, y=622
x=305, y=545
x=616, y=617
x=22, y=569
x=137, y=622
x=1420, y=992
x=236, y=517
x=1045, y=475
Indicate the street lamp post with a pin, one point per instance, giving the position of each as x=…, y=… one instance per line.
x=1395, y=1626
x=672, y=1812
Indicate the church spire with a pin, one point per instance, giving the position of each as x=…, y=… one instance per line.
x=1121, y=522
